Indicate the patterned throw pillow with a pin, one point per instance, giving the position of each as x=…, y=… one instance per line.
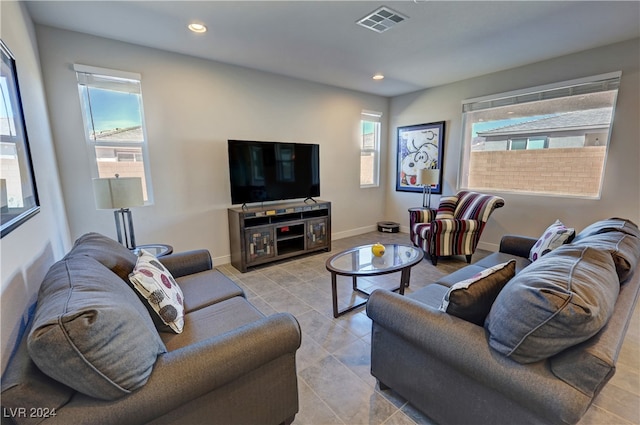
x=555, y=236
x=160, y=289
x=471, y=299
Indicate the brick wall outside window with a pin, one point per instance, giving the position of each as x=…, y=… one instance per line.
x=563, y=171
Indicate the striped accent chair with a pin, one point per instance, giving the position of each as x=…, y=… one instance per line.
x=455, y=227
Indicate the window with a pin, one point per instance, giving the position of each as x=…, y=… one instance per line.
x=550, y=140
x=370, y=148
x=18, y=194
x=112, y=112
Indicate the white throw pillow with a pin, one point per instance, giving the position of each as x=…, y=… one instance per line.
x=555, y=236
x=154, y=282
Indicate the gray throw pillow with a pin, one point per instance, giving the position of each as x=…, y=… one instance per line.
x=560, y=300
x=91, y=332
x=471, y=299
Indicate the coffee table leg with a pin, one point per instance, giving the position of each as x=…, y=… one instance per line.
x=334, y=294
x=355, y=283
x=405, y=275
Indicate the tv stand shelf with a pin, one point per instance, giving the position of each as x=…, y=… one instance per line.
x=260, y=235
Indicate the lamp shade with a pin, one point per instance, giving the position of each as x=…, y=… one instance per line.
x=428, y=177
x=118, y=192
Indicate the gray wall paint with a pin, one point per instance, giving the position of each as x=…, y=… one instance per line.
x=192, y=106
x=28, y=251
x=522, y=214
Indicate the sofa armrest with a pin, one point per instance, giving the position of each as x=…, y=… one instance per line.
x=463, y=346
x=216, y=361
x=185, y=374
x=517, y=245
x=188, y=262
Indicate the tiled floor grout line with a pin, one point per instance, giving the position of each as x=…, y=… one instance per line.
x=321, y=399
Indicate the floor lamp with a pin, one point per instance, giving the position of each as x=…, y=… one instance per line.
x=427, y=177
x=120, y=193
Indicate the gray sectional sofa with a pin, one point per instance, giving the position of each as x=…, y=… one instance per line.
x=458, y=372
x=92, y=353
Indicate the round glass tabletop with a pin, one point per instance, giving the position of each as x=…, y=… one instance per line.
x=361, y=261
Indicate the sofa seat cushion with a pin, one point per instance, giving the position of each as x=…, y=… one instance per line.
x=459, y=275
x=501, y=257
x=471, y=299
x=114, y=256
x=430, y=295
x=91, y=332
x=206, y=288
x=211, y=321
x=558, y=301
x=624, y=249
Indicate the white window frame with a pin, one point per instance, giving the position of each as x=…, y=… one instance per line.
x=93, y=143
x=569, y=88
x=373, y=117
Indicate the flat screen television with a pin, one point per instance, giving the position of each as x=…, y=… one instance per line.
x=273, y=171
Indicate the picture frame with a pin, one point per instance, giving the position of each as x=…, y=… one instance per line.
x=419, y=146
x=18, y=193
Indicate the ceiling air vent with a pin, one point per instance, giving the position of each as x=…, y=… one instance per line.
x=381, y=19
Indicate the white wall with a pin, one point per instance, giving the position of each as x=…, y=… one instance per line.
x=192, y=106
x=28, y=251
x=522, y=214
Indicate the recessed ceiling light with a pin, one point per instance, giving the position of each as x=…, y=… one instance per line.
x=199, y=28
x=378, y=77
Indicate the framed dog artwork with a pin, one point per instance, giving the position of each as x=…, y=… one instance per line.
x=419, y=146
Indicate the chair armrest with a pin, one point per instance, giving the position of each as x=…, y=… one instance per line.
x=421, y=215
x=517, y=245
x=185, y=374
x=188, y=262
x=455, y=225
x=463, y=346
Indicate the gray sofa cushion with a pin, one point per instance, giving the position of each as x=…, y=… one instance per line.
x=206, y=288
x=624, y=249
x=106, y=251
x=212, y=321
x=91, y=332
x=501, y=257
x=560, y=300
x=609, y=225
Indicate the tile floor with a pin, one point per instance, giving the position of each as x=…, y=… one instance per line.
x=335, y=385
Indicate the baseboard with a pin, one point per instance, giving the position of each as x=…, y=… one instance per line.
x=489, y=246
x=354, y=232
x=220, y=261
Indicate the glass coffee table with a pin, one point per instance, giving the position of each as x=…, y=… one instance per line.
x=360, y=261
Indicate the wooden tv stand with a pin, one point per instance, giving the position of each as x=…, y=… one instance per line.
x=259, y=235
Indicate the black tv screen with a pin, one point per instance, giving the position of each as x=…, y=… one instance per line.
x=272, y=171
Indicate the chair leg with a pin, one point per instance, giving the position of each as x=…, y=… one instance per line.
x=434, y=260
x=469, y=258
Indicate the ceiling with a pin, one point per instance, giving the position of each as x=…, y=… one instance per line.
x=439, y=43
